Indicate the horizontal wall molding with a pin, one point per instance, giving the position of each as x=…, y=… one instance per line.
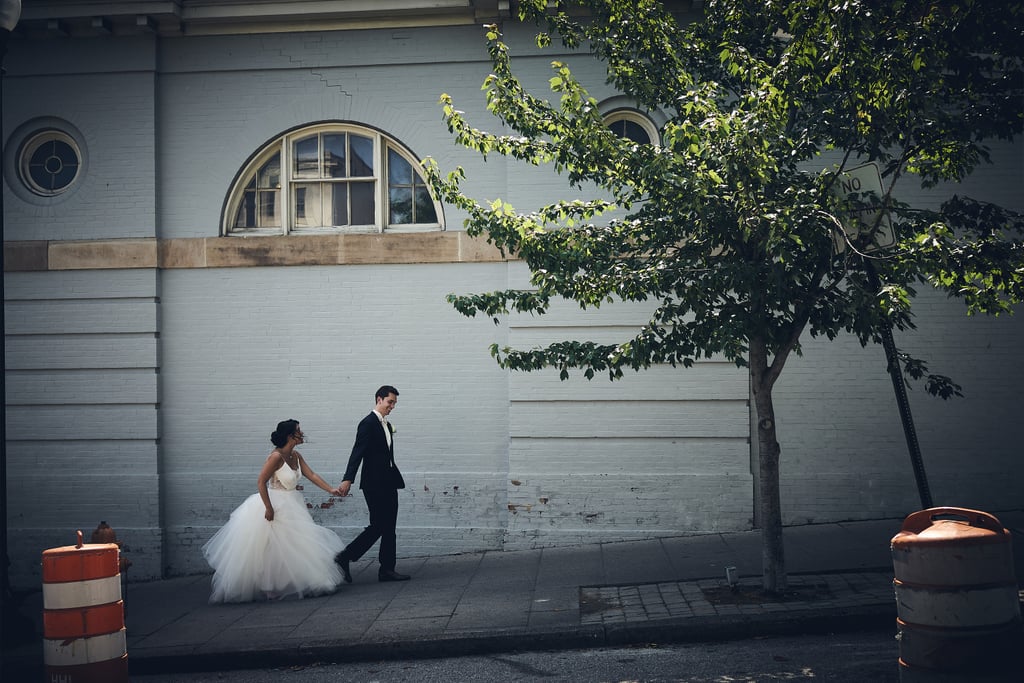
x=249, y=252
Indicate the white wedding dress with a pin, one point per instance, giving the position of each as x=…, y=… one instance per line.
x=292, y=555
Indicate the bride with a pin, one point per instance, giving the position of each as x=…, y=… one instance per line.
x=271, y=547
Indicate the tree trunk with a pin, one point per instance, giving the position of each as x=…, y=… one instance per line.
x=773, y=555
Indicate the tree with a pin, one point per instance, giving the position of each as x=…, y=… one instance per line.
x=731, y=225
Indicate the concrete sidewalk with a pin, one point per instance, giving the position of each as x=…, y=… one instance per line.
x=661, y=590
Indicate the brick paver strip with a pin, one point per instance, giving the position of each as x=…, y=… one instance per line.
x=683, y=599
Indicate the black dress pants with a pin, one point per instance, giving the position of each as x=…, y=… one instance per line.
x=383, y=506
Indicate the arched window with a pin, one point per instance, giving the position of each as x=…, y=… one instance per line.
x=632, y=125
x=331, y=178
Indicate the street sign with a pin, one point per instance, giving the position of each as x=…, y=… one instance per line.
x=856, y=181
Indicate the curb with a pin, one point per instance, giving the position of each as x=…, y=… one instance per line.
x=663, y=631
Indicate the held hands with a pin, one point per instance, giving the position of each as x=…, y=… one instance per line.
x=342, y=489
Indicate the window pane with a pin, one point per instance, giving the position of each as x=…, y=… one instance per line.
x=339, y=196
x=270, y=172
x=399, y=170
x=636, y=133
x=362, y=155
x=246, y=216
x=424, y=210
x=306, y=157
x=65, y=153
x=306, y=209
x=334, y=155
x=270, y=208
x=41, y=154
x=64, y=176
x=362, y=204
x=400, y=204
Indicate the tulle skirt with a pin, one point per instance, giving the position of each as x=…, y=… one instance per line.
x=256, y=559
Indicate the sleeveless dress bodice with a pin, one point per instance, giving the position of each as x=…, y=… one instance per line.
x=285, y=479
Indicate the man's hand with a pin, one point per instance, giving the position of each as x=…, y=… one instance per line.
x=344, y=488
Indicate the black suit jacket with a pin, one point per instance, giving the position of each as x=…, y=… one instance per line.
x=378, y=461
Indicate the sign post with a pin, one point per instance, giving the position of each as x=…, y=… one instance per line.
x=859, y=184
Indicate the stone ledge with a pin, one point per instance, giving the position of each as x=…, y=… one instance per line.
x=249, y=252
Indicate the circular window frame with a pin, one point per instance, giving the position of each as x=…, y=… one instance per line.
x=32, y=170
x=25, y=141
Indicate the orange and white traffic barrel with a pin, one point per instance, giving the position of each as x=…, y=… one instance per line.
x=83, y=615
x=957, y=603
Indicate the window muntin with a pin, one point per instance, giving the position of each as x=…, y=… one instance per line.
x=339, y=179
x=49, y=163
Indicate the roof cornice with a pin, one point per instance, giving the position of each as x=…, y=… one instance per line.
x=82, y=18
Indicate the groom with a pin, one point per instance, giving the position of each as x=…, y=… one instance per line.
x=375, y=449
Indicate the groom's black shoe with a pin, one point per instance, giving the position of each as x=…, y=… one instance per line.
x=343, y=563
x=391, y=575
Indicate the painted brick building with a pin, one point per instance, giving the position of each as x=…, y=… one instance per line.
x=213, y=222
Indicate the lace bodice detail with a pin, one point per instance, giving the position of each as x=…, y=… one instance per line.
x=285, y=478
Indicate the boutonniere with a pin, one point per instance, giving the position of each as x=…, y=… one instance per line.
x=391, y=428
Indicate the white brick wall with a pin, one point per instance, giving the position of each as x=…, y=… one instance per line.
x=82, y=414
x=314, y=344
x=844, y=454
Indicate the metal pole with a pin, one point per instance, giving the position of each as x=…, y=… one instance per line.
x=902, y=401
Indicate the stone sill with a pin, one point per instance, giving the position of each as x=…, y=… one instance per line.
x=248, y=252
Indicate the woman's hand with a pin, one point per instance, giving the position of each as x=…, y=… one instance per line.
x=269, y=514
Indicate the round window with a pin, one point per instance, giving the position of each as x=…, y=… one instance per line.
x=49, y=162
x=631, y=130
x=632, y=125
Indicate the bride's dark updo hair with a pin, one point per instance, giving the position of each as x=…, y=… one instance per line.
x=284, y=429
